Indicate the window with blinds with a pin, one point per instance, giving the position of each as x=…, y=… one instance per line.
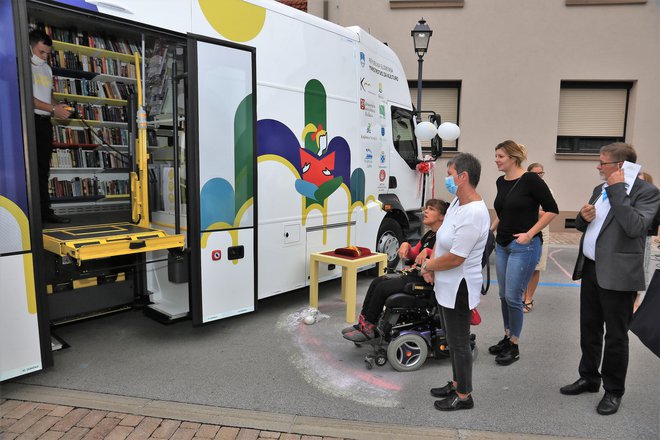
x=443, y=99
x=591, y=114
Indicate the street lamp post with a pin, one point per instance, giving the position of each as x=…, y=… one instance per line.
x=421, y=35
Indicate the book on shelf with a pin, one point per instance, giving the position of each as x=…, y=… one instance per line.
x=99, y=112
x=78, y=158
x=64, y=59
x=83, y=38
x=85, y=136
x=72, y=135
x=76, y=187
x=86, y=187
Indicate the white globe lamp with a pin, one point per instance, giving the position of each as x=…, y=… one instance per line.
x=448, y=131
x=425, y=131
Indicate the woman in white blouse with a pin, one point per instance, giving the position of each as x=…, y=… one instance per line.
x=455, y=271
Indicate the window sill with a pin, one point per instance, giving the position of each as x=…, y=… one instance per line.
x=409, y=4
x=604, y=2
x=576, y=156
x=449, y=154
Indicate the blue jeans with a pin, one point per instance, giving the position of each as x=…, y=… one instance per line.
x=515, y=264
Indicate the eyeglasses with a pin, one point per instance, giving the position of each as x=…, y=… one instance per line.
x=607, y=163
x=540, y=173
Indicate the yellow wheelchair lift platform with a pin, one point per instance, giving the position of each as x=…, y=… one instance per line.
x=109, y=240
x=101, y=241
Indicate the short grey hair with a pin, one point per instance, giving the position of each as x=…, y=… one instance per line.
x=466, y=162
x=620, y=152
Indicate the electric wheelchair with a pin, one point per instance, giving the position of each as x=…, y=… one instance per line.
x=410, y=330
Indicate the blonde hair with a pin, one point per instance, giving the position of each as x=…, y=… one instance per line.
x=646, y=176
x=513, y=149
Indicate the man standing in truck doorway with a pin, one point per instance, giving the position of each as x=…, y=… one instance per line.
x=45, y=107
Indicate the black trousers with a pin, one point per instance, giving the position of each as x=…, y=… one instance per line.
x=612, y=309
x=456, y=323
x=382, y=288
x=44, y=135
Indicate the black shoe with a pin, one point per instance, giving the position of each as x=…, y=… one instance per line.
x=497, y=348
x=453, y=403
x=54, y=218
x=445, y=391
x=508, y=355
x=580, y=386
x=350, y=329
x=362, y=334
x=609, y=404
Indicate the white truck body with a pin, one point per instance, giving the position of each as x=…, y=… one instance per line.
x=326, y=157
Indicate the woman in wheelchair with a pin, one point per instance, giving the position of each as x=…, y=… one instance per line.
x=383, y=287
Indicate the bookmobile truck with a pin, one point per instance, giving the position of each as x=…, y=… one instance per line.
x=269, y=134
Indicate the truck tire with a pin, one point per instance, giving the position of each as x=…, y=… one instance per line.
x=390, y=237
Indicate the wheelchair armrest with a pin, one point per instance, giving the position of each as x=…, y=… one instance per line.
x=408, y=301
x=418, y=289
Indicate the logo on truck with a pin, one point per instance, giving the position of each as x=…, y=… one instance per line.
x=321, y=163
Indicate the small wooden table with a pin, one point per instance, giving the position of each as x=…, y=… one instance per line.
x=349, y=267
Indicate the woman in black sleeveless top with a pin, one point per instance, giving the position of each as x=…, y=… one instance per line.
x=519, y=195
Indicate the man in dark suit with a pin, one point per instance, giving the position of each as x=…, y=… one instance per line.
x=611, y=265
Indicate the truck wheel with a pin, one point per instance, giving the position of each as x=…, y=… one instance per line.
x=390, y=237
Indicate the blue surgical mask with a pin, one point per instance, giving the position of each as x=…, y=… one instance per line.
x=451, y=185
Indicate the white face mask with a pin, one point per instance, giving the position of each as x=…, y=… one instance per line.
x=37, y=61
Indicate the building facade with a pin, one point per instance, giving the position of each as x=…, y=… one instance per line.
x=562, y=77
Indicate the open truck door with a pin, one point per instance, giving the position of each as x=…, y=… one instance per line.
x=222, y=183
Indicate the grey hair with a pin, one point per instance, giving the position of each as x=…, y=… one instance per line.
x=466, y=162
x=620, y=152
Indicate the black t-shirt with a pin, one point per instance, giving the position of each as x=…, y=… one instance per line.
x=428, y=240
x=518, y=207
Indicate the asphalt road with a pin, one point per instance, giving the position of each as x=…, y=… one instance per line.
x=269, y=361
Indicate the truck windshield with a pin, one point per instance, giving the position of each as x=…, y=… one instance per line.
x=403, y=135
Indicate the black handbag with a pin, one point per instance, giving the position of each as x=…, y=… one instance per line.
x=645, y=323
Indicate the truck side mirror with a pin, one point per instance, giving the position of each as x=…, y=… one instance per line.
x=436, y=147
x=436, y=142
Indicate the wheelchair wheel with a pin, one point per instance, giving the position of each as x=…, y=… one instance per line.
x=407, y=352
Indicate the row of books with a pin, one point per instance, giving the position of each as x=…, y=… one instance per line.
x=83, y=38
x=86, y=187
x=100, y=112
x=78, y=158
x=82, y=135
x=86, y=87
x=72, y=86
x=102, y=65
x=115, y=90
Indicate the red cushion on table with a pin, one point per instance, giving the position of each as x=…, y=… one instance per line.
x=350, y=254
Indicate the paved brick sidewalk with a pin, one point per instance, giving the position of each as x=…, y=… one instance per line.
x=565, y=238
x=30, y=420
